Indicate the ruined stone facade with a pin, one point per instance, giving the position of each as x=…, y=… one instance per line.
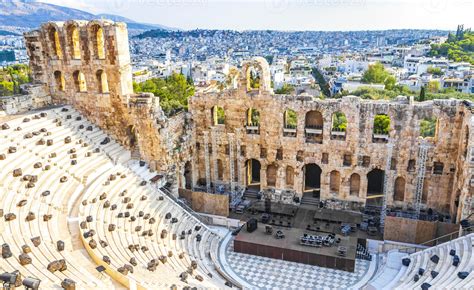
x=346, y=160
x=87, y=64
x=240, y=137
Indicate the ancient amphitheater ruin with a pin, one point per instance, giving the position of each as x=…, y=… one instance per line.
x=93, y=179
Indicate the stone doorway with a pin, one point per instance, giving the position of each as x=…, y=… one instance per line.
x=253, y=174
x=312, y=180
x=375, y=187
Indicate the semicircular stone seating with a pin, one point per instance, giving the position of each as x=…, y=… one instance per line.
x=61, y=184
x=439, y=267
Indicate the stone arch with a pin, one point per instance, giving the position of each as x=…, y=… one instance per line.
x=338, y=122
x=60, y=82
x=53, y=37
x=375, y=186
x=271, y=174
x=73, y=40
x=102, y=82
x=334, y=181
x=354, y=184
x=314, y=120
x=290, y=176
x=97, y=39
x=218, y=115
x=399, y=190
x=259, y=65
x=79, y=81
x=381, y=124
x=312, y=178
x=220, y=169
x=253, y=117
x=253, y=173
x=314, y=124
x=290, y=119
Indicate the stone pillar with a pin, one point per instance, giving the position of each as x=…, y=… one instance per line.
x=206, y=161
x=231, y=162
x=214, y=135
x=239, y=159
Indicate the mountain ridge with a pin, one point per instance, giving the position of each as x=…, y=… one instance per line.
x=31, y=14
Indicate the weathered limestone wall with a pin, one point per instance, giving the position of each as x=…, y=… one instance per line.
x=415, y=231
x=365, y=154
x=87, y=64
x=207, y=203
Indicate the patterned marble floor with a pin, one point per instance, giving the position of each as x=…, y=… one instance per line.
x=271, y=273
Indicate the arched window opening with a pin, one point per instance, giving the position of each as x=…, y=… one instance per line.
x=314, y=127
x=334, y=181
x=312, y=180
x=253, y=121
x=60, y=81
x=381, y=128
x=102, y=83
x=218, y=115
x=98, y=41
x=290, y=178
x=428, y=127
x=253, y=78
x=399, y=190
x=290, y=121
x=79, y=82
x=271, y=175
x=55, y=43
x=73, y=42
x=375, y=187
x=354, y=186
x=220, y=170
x=339, y=126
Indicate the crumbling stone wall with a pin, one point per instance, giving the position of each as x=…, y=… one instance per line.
x=336, y=156
x=87, y=64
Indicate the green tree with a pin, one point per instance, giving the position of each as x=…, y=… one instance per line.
x=381, y=124
x=321, y=81
x=376, y=74
x=286, y=89
x=173, y=91
x=435, y=71
x=428, y=127
x=433, y=86
x=339, y=122
x=291, y=119
x=422, y=96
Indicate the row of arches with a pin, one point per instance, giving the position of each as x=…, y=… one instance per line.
x=80, y=83
x=314, y=123
x=73, y=44
x=312, y=181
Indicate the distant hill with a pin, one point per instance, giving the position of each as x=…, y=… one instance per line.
x=4, y=32
x=26, y=13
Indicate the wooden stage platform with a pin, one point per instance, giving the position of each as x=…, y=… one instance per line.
x=289, y=248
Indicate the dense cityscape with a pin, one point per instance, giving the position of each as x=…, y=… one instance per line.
x=241, y=154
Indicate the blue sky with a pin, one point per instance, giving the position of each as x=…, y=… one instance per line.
x=288, y=14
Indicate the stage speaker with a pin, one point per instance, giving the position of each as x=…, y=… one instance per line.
x=463, y=275
x=406, y=262
x=456, y=261
x=425, y=286
x=434, y=259
x=252, y=225
x=452, y=252
x=268, y=205
x=434, y=274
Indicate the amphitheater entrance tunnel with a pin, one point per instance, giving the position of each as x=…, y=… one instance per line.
x=312, y=180
x=188, y=179
x=253, y=174
x=375, y=187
